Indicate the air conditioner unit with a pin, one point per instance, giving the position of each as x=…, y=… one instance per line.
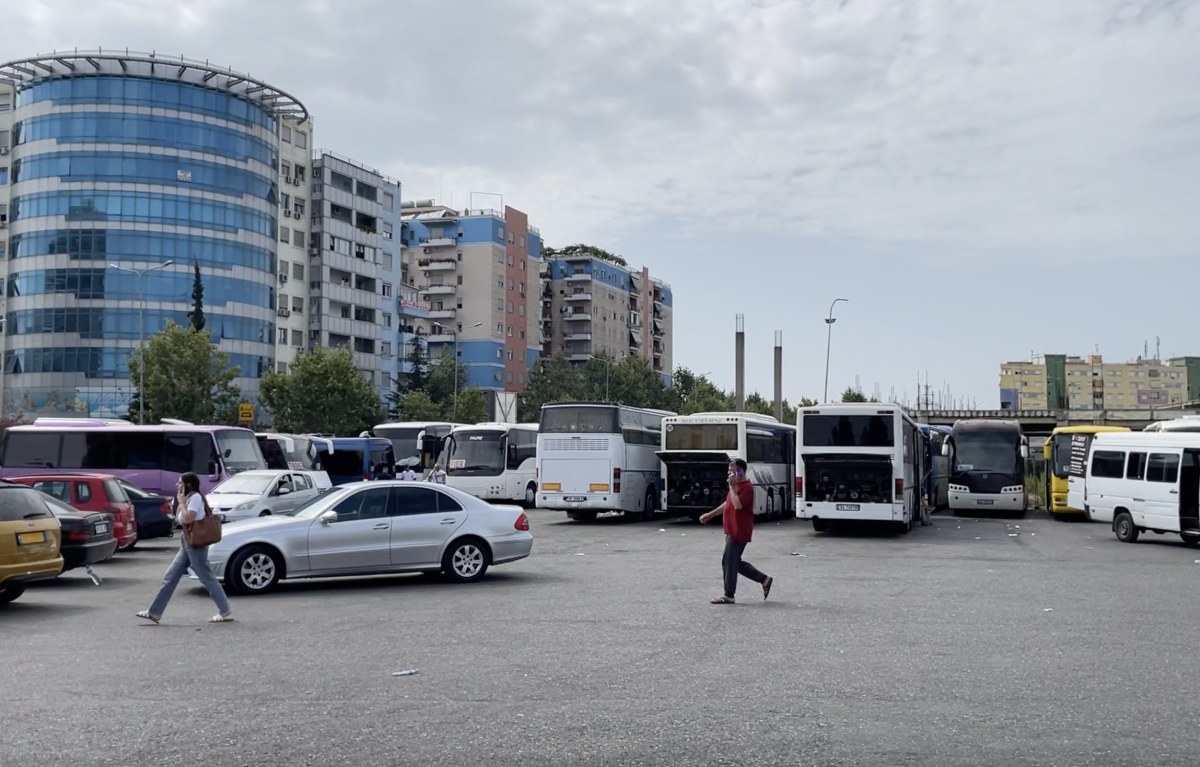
x=3, y=224
x=3, y=150
x=428, y=250
x=282, y=278
x=288, y=179
x=297, y=182
x=283, y=312
x=314, y=251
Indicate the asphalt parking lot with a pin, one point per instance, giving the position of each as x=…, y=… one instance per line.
x=971, y=642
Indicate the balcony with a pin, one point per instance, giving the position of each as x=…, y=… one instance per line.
x=635, y=340
x=577, y=278
x=579, y=297
x=577, y=337
x=442, y=314
x=437, y=242
x=635, y=320
x=580, y=357
x=577, y=316
x=437, y=264
x=439, y=290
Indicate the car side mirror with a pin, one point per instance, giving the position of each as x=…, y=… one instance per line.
x=283, y=491
x=329, y=517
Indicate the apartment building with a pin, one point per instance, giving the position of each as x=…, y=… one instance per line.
x=476, y=272
x=7, y=96
x=355, y=265
x=298, y=214
x=591, y=307
x=1061, y=382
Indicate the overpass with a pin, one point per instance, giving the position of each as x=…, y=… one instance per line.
x=1035, y=422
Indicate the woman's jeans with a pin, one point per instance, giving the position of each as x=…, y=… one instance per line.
x=197, y=559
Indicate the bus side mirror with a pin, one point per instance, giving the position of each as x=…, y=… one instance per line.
x=1025, y=451
x=946, y=449
x=213, y=468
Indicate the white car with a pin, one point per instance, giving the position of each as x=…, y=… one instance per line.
x=372, y=528
x=250, y=494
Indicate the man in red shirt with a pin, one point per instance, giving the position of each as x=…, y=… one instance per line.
x=738, y=515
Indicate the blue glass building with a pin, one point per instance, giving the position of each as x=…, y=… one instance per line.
x=111, y=165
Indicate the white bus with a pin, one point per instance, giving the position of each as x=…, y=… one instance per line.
x=697, y=449
x=1142, y=482
x=415, y=443
x=858, y=462
x=594, y=457
x=493, y=461
x=1182, y=424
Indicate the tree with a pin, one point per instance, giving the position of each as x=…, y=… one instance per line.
x=552, y=379
x=417, y=406
x=441, y=379
x=196, y=315
x=850, y=394
x=472, y=407
x=418, y=360
x=187, y=377
x=579, y=249
x=322, y=392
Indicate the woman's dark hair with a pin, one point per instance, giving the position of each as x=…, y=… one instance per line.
x=191, y=482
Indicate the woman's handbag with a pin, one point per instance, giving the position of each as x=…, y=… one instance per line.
x=207, y=531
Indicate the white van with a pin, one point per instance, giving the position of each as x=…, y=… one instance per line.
x=1143, y=482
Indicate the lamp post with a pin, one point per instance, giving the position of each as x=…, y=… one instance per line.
x=829, y=337
x=141, y=331
x=607, y=369
x=454, y=416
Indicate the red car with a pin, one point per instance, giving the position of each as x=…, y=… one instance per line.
x=91, y=492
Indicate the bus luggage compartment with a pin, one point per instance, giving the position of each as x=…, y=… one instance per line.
x=848, y=479
x=696, y=481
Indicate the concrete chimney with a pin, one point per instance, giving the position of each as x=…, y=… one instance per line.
x=779, y=375
x=739, y=363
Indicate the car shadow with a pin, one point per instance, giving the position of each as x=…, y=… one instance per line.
x=409, y=581
x=27, y=606
x=78, y=579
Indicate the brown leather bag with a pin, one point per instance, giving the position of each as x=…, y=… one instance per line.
x=207, y=531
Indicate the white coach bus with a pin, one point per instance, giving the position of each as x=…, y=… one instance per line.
x=594, y=457
x=858, y=462
x=697, y=449
x=493, y=461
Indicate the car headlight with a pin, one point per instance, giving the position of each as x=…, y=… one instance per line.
x=245, y=506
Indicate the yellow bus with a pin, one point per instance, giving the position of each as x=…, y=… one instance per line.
x=1058, y=451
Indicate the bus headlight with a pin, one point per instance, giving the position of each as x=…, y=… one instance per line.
x=1013, y=489
x=959, y=489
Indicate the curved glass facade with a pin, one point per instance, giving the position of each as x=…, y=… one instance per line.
x=148, y=247
x=144, y=130
x=126, y=91
x=117, y=285
x=211, y=158
x=133, y=167
x=99, y=362
x=143, y=208
x=121, y=324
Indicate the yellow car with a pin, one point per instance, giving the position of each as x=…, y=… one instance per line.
x=29, y=541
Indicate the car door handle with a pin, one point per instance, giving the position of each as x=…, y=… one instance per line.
x=382, y=527
x=1174, y=492
x=450, y=521
x=1140, y=500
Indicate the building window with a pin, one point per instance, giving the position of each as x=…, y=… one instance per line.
x=4, y=176
x=302, y=140
x=510, y=307
x=297, y=338
x=387, y=320
x=385, y=348
x=299, y=207
x=282, y=367
x=387, y=290
x=510, y=331
x=297, y=304
x=286, y=134
x=499, y=354
x=499, y=328
x=510, y=283
x=285, y=168
x=510, y=356
x=284, y=234
x=500, y=305
x=283, y=335
x=521, y=310
x=298, y=238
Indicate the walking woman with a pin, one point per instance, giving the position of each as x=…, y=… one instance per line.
x=192, y=508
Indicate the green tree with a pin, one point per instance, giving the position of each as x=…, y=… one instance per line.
x=552, y=379
x=440, y=381
x=417, y=406
x=850, y=394
x=472, y=407
x=418, y=360
x=579, y=249
x=322, y=392
x=187, y=377
x=196, y=315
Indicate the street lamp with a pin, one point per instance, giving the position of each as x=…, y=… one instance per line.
x=608, y=369
x=141, y=331
x=828, y=337
x=454, y=417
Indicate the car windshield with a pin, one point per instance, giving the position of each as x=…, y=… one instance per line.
x=316, y=506
x=254, y=484
x=19, y=503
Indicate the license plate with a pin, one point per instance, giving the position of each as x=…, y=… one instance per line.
x=575, y=498
x=848, y=507
x=25, y=539
x=102, y=527
x=984, y=501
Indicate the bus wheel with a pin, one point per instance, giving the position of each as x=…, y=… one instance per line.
x=582, y=516
x=818, y=525
x=1123, y=526
x=1190, y=540
x=651, y=504
x=530, y=497
x=770, y=507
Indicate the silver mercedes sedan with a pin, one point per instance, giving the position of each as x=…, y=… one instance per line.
x=371, y=528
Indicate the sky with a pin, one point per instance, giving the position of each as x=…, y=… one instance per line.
x=980, y=181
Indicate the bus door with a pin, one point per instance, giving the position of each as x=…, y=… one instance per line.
x=1076, y=460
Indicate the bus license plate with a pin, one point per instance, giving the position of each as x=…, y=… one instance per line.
x=848, y=507
x=984, y=501
x=575, y=498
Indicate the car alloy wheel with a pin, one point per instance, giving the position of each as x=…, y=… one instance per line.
x=466, y=560
x=258, y=571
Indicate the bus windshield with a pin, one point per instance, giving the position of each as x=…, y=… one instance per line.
x=702, y=436
x=588, y=419
x=476, y=452
x=983, y=452
x=239, y=450
x=1060, y=455
x=849, y=431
